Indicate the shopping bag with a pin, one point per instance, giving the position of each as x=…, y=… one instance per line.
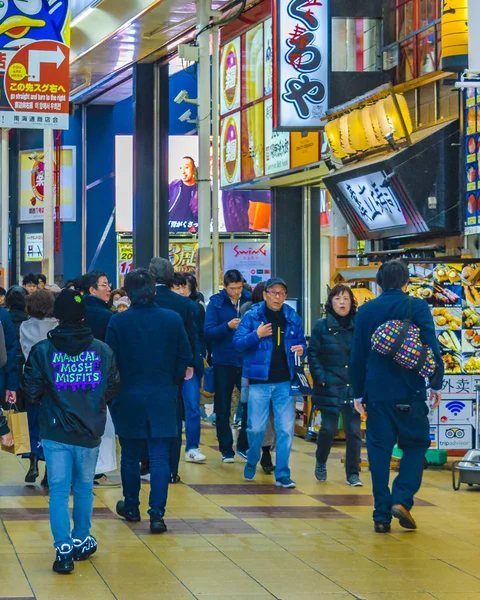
x=107, y=457
x=18, y=425
x=300, y=385
x=208, y=386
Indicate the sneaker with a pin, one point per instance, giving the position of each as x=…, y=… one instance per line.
x=175, y=478
x=145, y=477
x=242, y=454
x=354, y=481
x=64, y=560
x=129, y=515
x=195, y=455
x=228, y=459
x=285, y=482
x=104, y=481
x=85, y=549
x=249, y=472
x=157, y=524
x=321, y=471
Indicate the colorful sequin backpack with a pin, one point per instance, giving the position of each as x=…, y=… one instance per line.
x=400, y=341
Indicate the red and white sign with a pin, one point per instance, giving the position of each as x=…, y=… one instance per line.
x=253, y=260
x=37, y=86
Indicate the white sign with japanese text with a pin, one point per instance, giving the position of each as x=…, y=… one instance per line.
x=33, y=247
x=277, y=144
x=301, y=30
x=374, y=202
x=458, y=387
x=253, y=260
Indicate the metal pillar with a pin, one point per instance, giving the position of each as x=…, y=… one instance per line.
x=5, y=208
x=205, y=254
x=48, y=266
x=306, y=257
x=215, y=145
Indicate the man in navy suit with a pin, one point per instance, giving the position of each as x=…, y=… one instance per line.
x=394, y=397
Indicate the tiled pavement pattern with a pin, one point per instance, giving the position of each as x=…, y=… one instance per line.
x=249, y=541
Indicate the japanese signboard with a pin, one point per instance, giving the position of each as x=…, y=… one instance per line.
x=183, y=256
x=34, y=64
x=472, y=157
x=277, y=144
x=230, y=77
x=125, y=258
x=252, y=142
x=253, y=260
x=375, y=204
x=230, y=150
x=33, y=247
x=32, y=185
x=253, y=82
x=301, y=33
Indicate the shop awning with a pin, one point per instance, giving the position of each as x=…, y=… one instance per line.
x=412, y=191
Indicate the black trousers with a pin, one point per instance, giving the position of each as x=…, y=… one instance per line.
x=226, y=378
x=351, y=421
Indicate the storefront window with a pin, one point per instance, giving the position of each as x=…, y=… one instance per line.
x=355, y=44
x=418, y=45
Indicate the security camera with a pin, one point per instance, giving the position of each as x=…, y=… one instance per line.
x=185, y=116
x=181, y=96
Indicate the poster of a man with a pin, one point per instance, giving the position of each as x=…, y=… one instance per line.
x=183, y=198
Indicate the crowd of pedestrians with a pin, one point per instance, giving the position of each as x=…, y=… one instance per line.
x=90, y=364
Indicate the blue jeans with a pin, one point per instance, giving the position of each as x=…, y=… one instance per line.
x=259, y=399
x=191, y=402
x=159, y=453
x=386, y=426
x=70, y=466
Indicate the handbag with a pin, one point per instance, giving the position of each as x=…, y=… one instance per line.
x=400, y=341
x=300, y=385
x=207, y=387
x=18, y=425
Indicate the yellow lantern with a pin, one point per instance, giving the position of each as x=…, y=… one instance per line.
x=356, y=132
x=344, y=139
x=332, y=132
x=372, y=139
x=375, y=124
x=383, y=123
x=455, y=35
x=393, y=117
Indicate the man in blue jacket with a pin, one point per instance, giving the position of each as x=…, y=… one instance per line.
x=394, y=397
x=270, y=335
x=221, y=322
x=9, y=374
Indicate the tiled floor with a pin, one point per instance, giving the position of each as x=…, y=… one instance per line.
x=249, y=541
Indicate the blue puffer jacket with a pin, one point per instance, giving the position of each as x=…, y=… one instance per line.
x=258, y=352
x=220, y=311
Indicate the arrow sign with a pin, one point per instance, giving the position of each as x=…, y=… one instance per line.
x=37, y=57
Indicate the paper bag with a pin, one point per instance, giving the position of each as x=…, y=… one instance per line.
x=18, y=425
x=107, y=458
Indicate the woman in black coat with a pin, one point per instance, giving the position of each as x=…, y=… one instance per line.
x=328, y=356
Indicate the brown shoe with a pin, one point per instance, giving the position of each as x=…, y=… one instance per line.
x=404, y=517
x=382, y=527
x=106, y=482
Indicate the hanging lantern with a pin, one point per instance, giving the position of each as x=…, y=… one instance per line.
x=332, y=132
x=356, y=132
x=455, y=35
x=373, y=140
x=383, y=122
x=393, y=117
x=344, y=140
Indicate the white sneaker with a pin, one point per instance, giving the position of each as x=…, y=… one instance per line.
x=195, y=455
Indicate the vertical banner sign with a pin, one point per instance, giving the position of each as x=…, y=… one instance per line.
x=471, y=105
x=34, y=63
x=301, y=51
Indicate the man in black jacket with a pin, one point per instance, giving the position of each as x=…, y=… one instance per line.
x=163, y=272
x=71, y=376
x=394, y=397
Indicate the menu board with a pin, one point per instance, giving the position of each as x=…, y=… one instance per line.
x=472, y=156
x=453, y=294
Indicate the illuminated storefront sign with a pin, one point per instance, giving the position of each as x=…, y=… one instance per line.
x=230, y=77
x=301, y=57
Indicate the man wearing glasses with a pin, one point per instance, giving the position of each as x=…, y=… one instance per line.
x=96, y=291
x=270, y=335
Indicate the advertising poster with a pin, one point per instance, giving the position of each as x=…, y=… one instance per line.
x=125, y=258
x=33, y=247
x=246, y=210
x=230, y=150
x=253, y=81
x=34, y=63
x=230, y=74
x=472, y=156
x=252, y=142
x=183, y=256
x=32, y=170
x=182, y=187
x=253, y=260
x=277, y=144
x=301, y=31
x=305, y=149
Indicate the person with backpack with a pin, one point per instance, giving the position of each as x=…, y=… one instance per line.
x=394, y=396
x=72, y=376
